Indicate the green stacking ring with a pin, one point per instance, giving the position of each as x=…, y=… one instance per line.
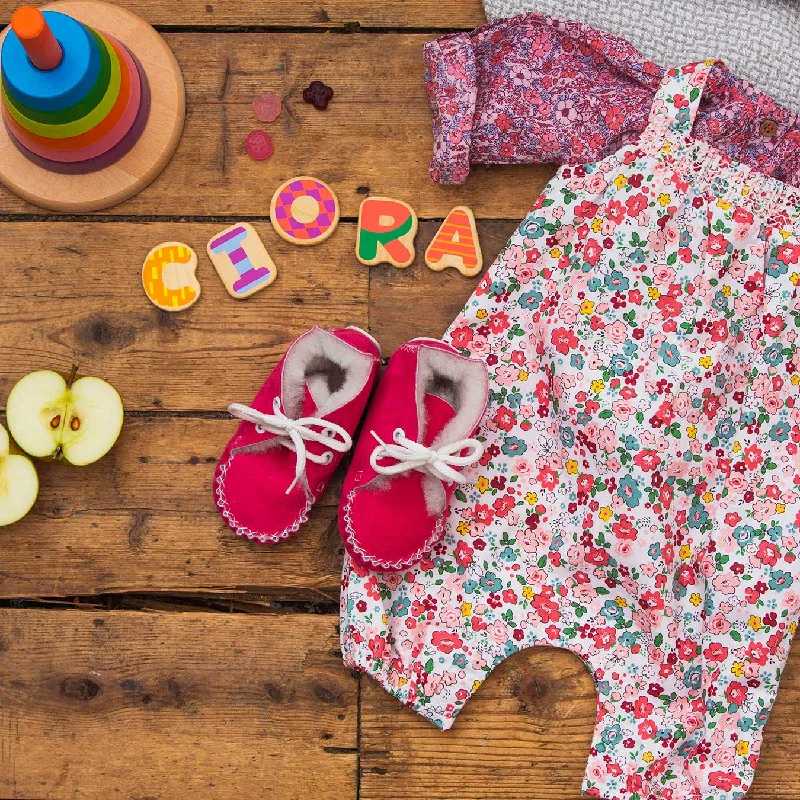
x=79, y=110
x=84, y=124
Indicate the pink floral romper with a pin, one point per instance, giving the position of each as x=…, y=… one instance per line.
x=638, y=499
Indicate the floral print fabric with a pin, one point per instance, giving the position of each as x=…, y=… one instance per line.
x=534, y=89
x=638, y=499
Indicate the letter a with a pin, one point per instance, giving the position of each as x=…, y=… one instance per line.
x=456, y=244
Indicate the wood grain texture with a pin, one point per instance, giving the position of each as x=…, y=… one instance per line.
x=526, y=734
x=375, y=136
x=169, y=704
x=143, y=519
x=136, y=705
x=322, y=14
x=405, y=303
x=154, y=148
x=72, y=293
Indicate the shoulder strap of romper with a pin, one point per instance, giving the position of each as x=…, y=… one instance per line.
x=678, y=98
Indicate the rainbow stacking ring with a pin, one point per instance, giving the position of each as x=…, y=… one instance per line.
x=82, y=98
x=63, y=86
x=98, y=140
x=67, y=128
x=79, y=109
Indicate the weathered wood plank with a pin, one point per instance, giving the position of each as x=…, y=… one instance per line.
x=67, y=299
x=781, y=745
x=376, y=133
x=446, y=14
x=71, y=293
x=405, y=303
x=526, y=733
x=136, y=705
x=143, y=519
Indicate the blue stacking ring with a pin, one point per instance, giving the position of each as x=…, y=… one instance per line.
x=59, y=88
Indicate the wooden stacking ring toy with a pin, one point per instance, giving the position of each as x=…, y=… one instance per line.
x=119, y=74
x=88, y=119
x=98, y=140
x=80, y=109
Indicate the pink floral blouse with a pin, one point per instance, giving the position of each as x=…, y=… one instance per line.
x=533, y=89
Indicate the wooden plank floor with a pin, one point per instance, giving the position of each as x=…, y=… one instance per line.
x=146, y=652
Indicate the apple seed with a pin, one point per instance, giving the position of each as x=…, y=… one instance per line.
x=75, y=424
x=56, y=421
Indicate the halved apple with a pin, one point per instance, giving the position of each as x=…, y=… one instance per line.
x=74, y=420
x=19, y=483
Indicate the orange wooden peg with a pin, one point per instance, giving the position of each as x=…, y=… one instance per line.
x=35, y=35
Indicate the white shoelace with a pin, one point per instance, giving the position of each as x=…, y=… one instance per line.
x=294, y=433
x=410, y=455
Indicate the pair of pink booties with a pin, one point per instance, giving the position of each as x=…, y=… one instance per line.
x=405, y=465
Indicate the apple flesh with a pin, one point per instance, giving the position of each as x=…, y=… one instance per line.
x=50, y=417
x=19, y=483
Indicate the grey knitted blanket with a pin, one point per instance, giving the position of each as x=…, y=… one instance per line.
x=757, y=39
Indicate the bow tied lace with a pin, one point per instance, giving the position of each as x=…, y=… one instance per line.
x=293, y=434
x=410, y=455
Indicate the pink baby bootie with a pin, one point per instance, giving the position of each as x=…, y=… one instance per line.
x=296, y=432
x=406, y=462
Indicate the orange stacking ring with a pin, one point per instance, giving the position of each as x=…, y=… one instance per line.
x=92, y=136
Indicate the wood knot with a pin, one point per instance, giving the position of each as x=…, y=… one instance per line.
x=60, y=512
x=176, y=693
x=273, y=692
x=531, y=692
x=84, y=689
x=138, y=529
x=327, y=694
x=166, y=320
x=97, y=334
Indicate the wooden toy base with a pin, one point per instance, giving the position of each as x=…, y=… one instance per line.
x=136, y=169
